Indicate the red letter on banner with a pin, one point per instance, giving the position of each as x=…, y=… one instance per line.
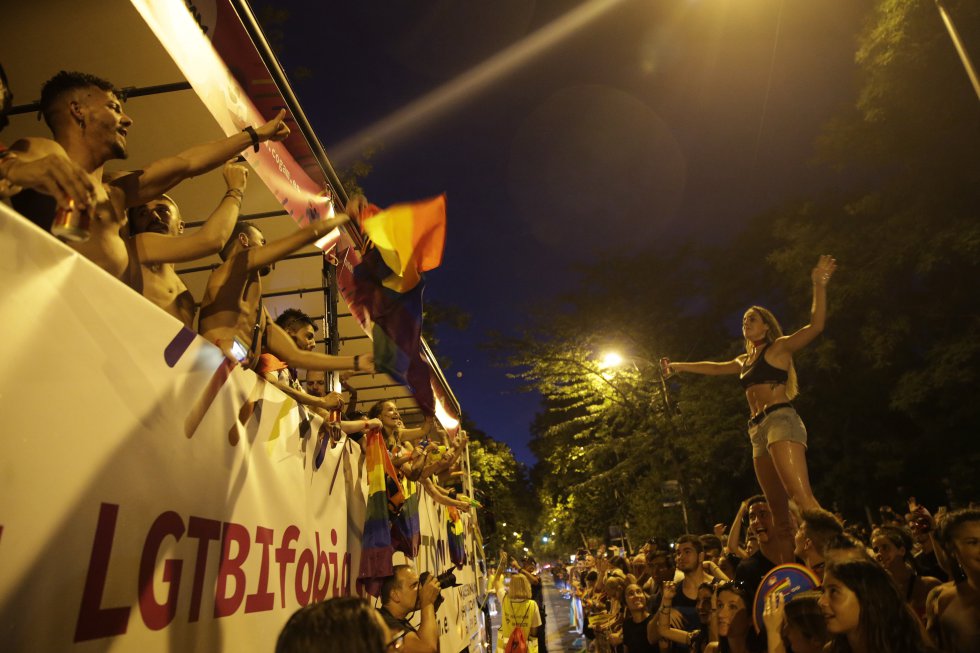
x=159, y=615
x=284, y=555
x=94, y=621
x=262, y=599
x=204, y=530
x=226, y=605
x=322, y=562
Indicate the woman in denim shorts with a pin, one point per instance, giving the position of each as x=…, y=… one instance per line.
x=766, y=372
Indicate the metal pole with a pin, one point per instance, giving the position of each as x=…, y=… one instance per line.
x=278, y=75
x=960, y=48
x=127, y=93
x=670, y=447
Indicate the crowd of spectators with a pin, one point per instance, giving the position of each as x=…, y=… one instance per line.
x=909, y=584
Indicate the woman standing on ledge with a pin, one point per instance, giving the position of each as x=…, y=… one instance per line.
x=767, y=374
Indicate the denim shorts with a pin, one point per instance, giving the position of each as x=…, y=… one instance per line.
x=781, y=424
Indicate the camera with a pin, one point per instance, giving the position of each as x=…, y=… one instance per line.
x=446, y=579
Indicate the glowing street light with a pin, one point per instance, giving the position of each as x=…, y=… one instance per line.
x=610, y=359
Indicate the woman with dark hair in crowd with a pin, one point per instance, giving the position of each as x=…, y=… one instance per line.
x=767, y=374
x=734, y=621
x=893, y=549
x=345, y=624
x=865, y=613
x=639, y=629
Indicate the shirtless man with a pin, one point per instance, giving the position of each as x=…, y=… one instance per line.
x=156, y=230
x=232, y=315
x=953, y=608
x=52, y=175
x=89, y=126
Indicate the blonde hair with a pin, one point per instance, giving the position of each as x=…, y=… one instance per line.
x=520, y=587
x=775, y=331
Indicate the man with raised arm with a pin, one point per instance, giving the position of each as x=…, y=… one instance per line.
x=232, y=315
x=157, y=243
x=86, y=118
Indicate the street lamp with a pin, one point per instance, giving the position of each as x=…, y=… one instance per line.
x=615, y=359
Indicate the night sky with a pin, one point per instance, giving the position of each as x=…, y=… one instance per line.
x=569, y=130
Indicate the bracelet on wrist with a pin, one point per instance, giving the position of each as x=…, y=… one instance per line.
x=252, y=134
x=357, y=358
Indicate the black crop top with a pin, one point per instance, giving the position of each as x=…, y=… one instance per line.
x=761, y=372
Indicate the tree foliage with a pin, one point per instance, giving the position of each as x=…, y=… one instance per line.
x=886, y=390
x=502, y=486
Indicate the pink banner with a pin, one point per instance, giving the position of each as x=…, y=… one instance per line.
x=217, y=57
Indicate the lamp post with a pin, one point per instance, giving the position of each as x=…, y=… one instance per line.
x=613, y=359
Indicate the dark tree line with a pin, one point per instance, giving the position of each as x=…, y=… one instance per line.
x=887, y=390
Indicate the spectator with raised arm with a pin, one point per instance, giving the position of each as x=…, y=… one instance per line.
x=157, y=241
x=767, y=374
x=232, y=314
x=90, y=128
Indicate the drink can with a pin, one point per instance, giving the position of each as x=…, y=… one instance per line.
x=72, y=223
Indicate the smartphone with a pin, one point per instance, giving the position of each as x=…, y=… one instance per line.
x=239, y=350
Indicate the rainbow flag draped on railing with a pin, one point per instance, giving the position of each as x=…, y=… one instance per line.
x=454, y=536
x=383, y=486
x=406, y=528
x=406, y=240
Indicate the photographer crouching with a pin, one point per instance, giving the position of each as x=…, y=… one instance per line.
x=403, y=593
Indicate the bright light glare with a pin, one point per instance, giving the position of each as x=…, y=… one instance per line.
x=411, y=118
x=544, y=538
x=515, y=534
x=611, y=359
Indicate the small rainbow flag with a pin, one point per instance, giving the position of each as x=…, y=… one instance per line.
x=410, y=238
x=454, y=536
x=376, y=547
x=406, y=528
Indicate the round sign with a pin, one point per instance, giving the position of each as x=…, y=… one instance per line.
x=789, y=579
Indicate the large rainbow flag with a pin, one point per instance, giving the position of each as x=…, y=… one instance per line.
x=406, y=241
x=376, y=547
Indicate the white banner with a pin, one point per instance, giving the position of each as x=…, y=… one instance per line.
x=155, y=498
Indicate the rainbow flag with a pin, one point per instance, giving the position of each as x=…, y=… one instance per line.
x=376, y=547
x=410, y=239
x=454, y=536
x=406, y=240
x=406, y=528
